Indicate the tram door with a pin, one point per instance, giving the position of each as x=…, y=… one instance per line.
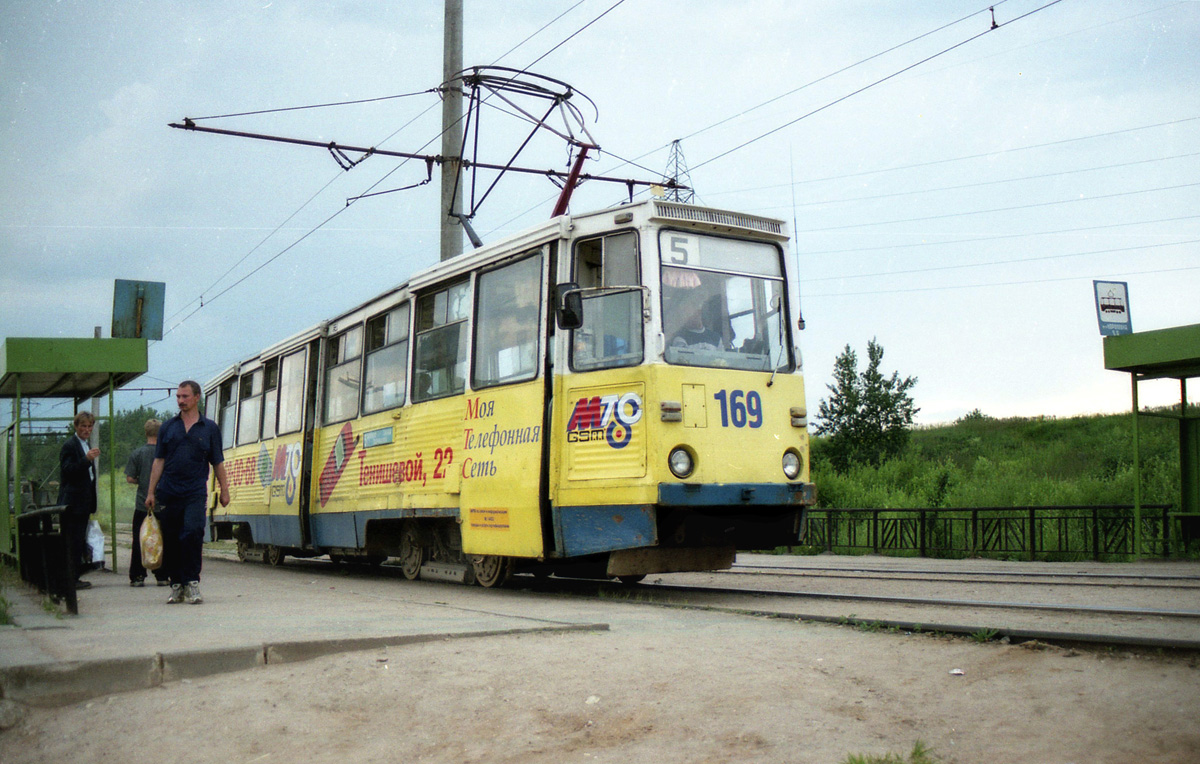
x=497, y=462
x=600, y=442
x=285, y=402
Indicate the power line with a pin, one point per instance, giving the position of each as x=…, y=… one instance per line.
x=1001, y=262
x=990, y=182
x=633, y=162
x=1005, y=209
x=573, y=35
x=983, y=155
x=1124, y=274
x=873, y=84
x=998, y=236
x=267, y=262
x=543, y=28
x=316, y=105
x=1064, y=35
x=847, y=68
x=255, y=248
x=369, y=188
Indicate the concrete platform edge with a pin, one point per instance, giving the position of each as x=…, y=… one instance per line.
x=63, y=683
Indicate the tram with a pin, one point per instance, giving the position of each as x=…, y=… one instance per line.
x=617, y=393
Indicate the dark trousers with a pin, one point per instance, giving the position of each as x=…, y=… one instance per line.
x=182, y=520
x=136, y=569
x=74, y=527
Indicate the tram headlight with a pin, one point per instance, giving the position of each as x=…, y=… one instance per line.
x=791, y=465
x=681, y=463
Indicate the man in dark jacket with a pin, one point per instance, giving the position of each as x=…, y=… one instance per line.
x=77, y=490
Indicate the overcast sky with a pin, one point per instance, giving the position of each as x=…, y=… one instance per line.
x=957, y=211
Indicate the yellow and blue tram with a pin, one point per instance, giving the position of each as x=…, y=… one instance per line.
x=617, y=392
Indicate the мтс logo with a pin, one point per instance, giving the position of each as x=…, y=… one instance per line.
x=605, y=416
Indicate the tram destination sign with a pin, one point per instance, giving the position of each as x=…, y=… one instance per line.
x=1112, y=307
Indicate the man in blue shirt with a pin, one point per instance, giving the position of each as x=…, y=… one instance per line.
x=187, y=444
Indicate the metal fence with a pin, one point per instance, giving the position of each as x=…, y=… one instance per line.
x=45, y=556
x=1098, y=532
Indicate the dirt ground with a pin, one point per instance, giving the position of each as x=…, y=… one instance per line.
x=662, y=686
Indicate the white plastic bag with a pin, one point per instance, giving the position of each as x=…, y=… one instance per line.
x=95, y=542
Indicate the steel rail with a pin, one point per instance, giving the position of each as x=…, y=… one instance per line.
x=992, y=633
x=992, y=579
x=1022, y=574
x=1082, y=609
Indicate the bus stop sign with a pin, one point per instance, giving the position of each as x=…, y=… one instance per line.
x=1112, y=307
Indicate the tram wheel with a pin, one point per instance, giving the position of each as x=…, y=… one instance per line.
x=412, y=553
x=243, y=550
x=274, y=556
x=492, y=570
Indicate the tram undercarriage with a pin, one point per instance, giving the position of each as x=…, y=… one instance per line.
x=685, y=539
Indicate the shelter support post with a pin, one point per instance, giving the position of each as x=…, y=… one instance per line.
x=1137, y=474
x=112, y=472
x=1189, y=470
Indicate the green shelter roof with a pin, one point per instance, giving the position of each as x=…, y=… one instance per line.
x=67, y=367
x=1164, y=353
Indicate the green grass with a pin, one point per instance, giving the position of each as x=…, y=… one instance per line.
x=8, y=580
x=984, y=635
x=921, y=754
x=984, y=462
x=126, y=495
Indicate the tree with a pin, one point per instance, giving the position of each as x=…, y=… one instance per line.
x=39, y=452
x=868, y=416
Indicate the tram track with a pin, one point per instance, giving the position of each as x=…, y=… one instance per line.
x=1096, y=626
x=934, y=602
x=982, y=630
x=1014, y=578
x=1093, y=626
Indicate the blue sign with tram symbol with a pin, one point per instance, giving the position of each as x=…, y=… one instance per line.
x=1112, y=307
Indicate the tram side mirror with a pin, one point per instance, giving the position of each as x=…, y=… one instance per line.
x=568, y=305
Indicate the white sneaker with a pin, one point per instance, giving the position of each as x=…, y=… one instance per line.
x=191, y=592
x=176, y=594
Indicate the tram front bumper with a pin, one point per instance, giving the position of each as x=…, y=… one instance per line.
x=736, y=494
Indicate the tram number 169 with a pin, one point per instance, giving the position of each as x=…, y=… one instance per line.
x=740, y=408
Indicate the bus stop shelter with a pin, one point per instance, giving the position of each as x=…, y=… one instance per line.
x=59, y=368
x=1164, y=354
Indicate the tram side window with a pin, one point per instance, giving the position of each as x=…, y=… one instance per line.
x=607, y=261
x=440, y=360
x=270, y=398
x=343, y=375
x=250, y=407
x=387, y=360
x=506, y=325
x=611, y=334
x=228, y=411
x=291, y=392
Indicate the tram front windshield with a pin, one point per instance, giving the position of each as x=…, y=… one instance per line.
x=723, y=303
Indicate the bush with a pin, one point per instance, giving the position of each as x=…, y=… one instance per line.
x=984, y=462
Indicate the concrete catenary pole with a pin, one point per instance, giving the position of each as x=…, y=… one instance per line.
x=452, y=132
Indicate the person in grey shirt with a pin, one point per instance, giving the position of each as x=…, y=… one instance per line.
x=137, y=471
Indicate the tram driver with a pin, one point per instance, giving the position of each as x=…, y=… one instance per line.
x=699, y=328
